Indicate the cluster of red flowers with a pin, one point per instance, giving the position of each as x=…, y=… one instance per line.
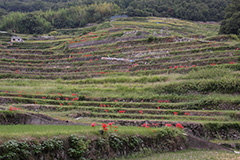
x=146, y=125
x=14, y=109
x=121, y=111
x=178, y=125
x=105, y=126
x=104, y=105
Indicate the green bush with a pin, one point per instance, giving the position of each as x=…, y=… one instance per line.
x=14, y=150
x=78, y=146
x=209, y=73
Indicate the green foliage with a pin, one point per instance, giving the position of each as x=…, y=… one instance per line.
x=14, y=150
x=115, y=142
x=135, y=142
x=104, y=25
x=52, y=144
x=78, y=146
x=53, y=33
x=212, y=10
x=43, y=22
x=143, y=79
x=211, y=73
x=231, y=22
x=223, y=85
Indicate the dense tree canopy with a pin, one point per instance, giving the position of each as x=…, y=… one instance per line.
x=231, y=23
x=42, y=22
x=77, y=13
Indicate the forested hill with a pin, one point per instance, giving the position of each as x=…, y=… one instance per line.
x=47, y=15
x=197, y=10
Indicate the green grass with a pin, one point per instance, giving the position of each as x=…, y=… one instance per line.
x=185, y=155
x=39, y=131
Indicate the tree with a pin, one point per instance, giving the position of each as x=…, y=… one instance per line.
x=231, y=23
x=31, y=24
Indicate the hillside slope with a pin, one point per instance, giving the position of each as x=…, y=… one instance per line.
x=136, y=71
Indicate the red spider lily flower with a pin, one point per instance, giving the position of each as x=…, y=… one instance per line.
x=158, y=107
x=187, y=113
x=110, y=124
x=115, y=126
x=101, y=105
x=213, y=64
x=175, y=67
x=6, y=91
x=175, y=113
x=154, y=130
x=61, y=104
x=186, y=66
x=123, y=111
x=43, y=97
x=105, y=129
x=237, y=49
x=170, y=67
x=115, y=130
x=178, y=125
x=194, y=65
x=115, y=100
x=120, y=111
x=144, y=125
x=104, y=105
x=232, y=62
x=106, y=110
x=104, y=125
x=67, y=99
x=10, y=108
x=108, y=105
x=168, y=125
x=141, y=112
x=70, y=103
x=57, y=98
x=93, y=124
x=74, y=94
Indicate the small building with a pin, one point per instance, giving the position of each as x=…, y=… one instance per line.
x=3, y=32
x=16, y=39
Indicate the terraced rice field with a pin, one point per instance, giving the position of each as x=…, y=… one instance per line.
x=171, y=72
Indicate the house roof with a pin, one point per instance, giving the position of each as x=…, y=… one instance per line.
x=16, y=37
x=3, y=32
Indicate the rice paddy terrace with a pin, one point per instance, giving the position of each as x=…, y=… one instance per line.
x=133, y=72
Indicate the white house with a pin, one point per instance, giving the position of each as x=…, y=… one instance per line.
x=16, y=39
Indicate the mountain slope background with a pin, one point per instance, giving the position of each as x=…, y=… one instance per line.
x=50, y=15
